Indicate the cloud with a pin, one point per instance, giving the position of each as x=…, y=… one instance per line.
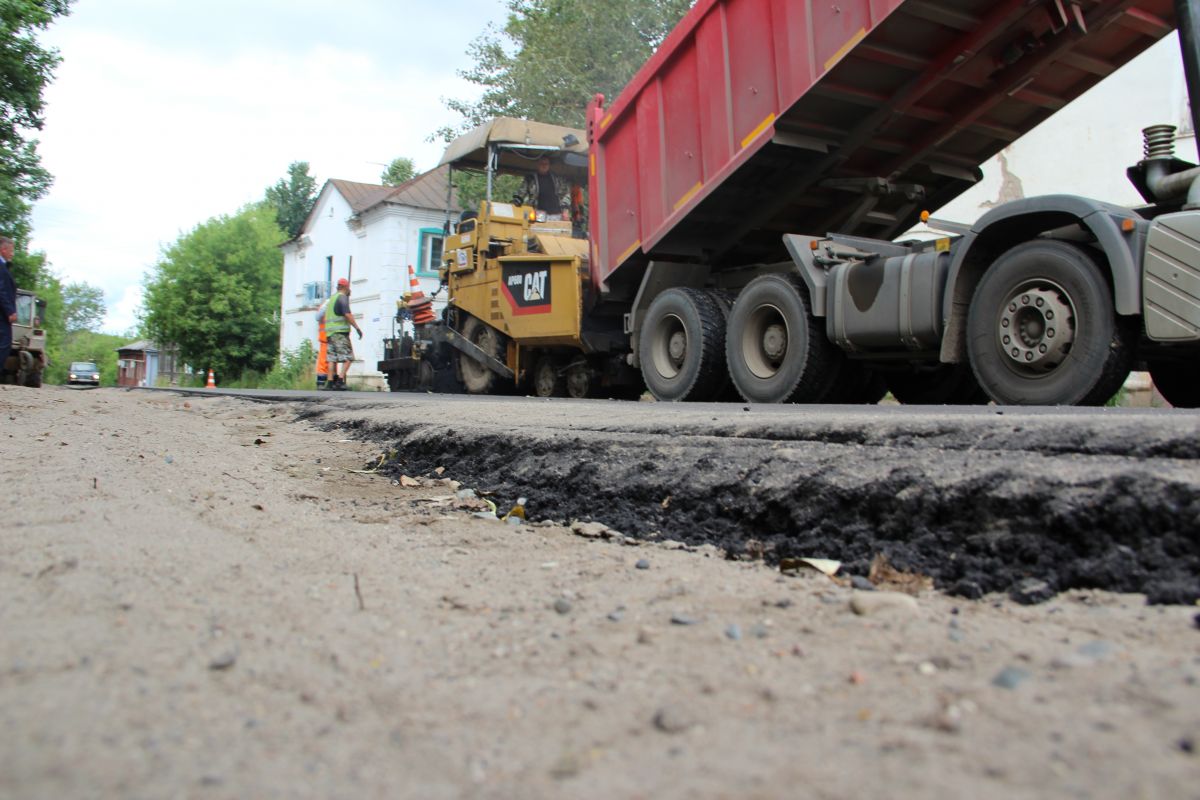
x=156, y=126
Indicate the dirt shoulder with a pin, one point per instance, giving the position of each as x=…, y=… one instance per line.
x=200, y=598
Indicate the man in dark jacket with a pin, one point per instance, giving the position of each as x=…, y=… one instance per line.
x=547, y=192
x=8, y=299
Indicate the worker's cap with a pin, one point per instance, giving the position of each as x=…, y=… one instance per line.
x=343, y=282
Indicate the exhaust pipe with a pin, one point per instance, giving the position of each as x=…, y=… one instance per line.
x=1159, y=154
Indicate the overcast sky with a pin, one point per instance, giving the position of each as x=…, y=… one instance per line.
x=165, y=113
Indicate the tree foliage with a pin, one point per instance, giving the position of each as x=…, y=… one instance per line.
x=25, y=69
x=552, y=56
x=215, y=293
x=291, y=198
x=83, y=307
x=401, y=170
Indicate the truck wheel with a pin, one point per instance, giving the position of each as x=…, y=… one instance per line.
x=776, y=350
x=1176, y=382
x=477, y=378
x=1042, y=330
x=426, y=375
x=579, y=381
x=945, y=384
x=682, y=346
x=547, y=382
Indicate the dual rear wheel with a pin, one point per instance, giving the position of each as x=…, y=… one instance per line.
x=1041, y=330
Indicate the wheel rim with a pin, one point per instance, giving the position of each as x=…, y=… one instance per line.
x=544, y=380
x=764, y=341
x=578, y=382
x=668, y=347
x=1035, y=328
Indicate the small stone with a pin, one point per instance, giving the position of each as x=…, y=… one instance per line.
x=617, y=615
x=760, y=631
x=734, y=632
x=683, y=619
x=857, y=678
x=1187, y=745
x=515, y=521
x=1031, y=591
x=927, y=668
x=562, y=605
x=486, y=515
x=590, y=530
x=866, y=604
x=672, y=719
x=1097, y=650
x=1011, y=677
x=169, y=460
x=784, y=603
x=645, y=636
x=642, y=564
x=861, y=583
x=223, y=659
x=465, y=494
x=967, y=588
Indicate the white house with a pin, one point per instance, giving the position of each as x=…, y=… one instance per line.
x=369, y=234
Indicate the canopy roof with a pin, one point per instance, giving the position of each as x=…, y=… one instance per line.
x=522, y=143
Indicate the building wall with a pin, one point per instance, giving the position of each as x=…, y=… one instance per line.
x=382, y=244
x=1085, y=148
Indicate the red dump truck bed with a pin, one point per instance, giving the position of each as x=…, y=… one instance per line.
x=762, y=117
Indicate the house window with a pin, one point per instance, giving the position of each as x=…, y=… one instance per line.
x=429, y=255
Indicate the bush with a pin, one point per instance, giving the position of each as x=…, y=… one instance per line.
x=294, y=369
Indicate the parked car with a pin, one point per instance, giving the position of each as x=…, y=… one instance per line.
x=83, y=373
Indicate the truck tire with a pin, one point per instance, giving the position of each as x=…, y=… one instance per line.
x=1042, y=330
x=945, y=384
x=1176, y=381
x=579, y=381
x=547, y=382
x=476, y=378
x=776, y=350
x=682, y=346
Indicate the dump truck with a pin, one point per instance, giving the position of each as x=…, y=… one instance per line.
x=749, y=192
x=27, y=360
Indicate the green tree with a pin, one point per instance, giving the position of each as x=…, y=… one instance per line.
x=83, y=307
x=292, y=197
x=401, y=170
x=25, y=68
x=552, y=56
x=215, y=293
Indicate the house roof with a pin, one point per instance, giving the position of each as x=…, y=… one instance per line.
x=427, y=190
x=140, y=344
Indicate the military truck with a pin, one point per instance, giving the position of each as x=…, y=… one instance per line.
x=747, y=189
x=27, y=360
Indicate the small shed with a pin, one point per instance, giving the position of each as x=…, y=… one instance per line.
x=143, y=362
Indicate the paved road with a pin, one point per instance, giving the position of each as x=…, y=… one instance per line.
x=980, y=498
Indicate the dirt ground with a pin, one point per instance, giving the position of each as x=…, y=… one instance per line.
x=200, y=598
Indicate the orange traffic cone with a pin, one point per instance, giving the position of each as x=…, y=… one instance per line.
x=212, y=383
x=420, y=305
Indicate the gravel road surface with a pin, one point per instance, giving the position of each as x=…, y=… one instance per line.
x=210, y=596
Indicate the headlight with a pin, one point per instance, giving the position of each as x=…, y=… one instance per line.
x=72, y=376
x=96, y=376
